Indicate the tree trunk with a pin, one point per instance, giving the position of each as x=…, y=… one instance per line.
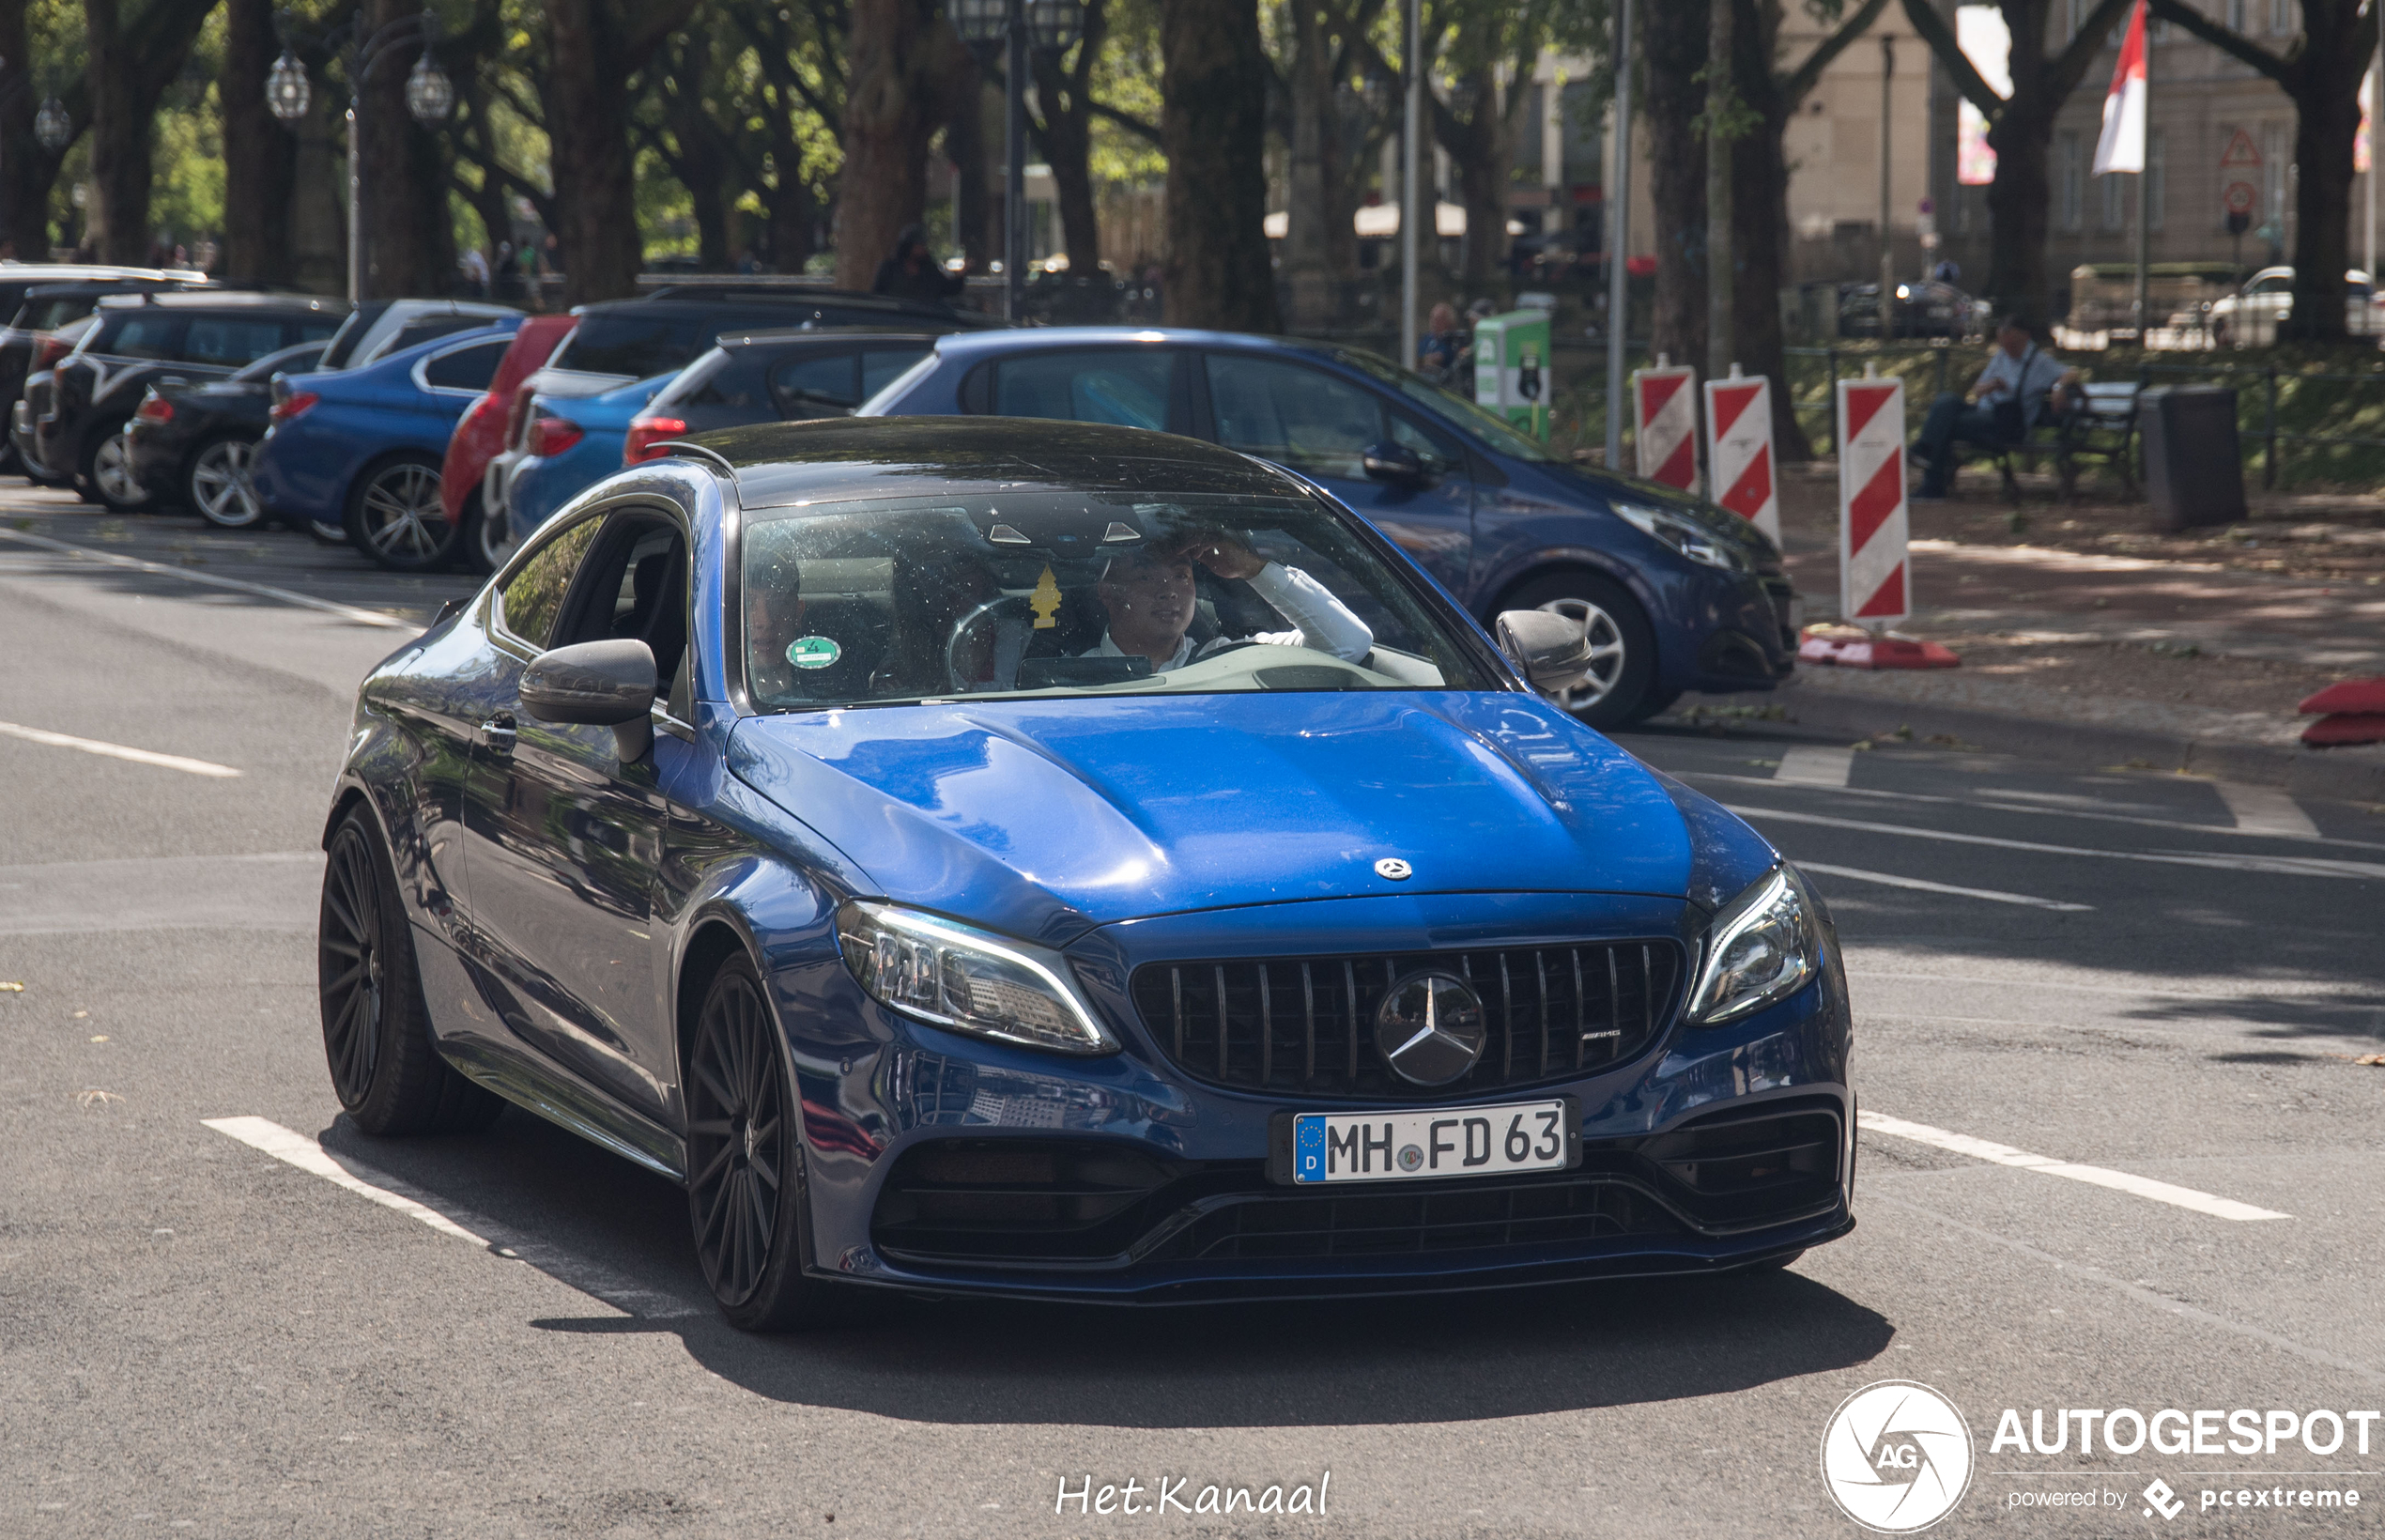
x=1067, y=142
x=2018, y=200
x=964, y=145
x=28, y=172
x=1307, y=210
x=889, y=117
x=120, y=123
x=260, y=156
x=1480, y=153
x=1673, y=47
x=701, y=161
x=594, y=47
x=1213, y=123
x=2327, y=107
x=409, y=240
x=1722, y=317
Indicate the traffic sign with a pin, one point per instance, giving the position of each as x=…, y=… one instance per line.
x=2238, y=198
x=2240, y=151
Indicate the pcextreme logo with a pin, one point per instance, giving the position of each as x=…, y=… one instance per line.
x=1896, y=1457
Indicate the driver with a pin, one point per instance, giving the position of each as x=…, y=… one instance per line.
x=1149, y=596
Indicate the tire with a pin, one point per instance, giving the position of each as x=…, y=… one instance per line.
x=1616, y=691
x=489, y=542
x=394, y=516
x=106, y=467
x=377, y=1032
x=746, y=1200
x=215, y=483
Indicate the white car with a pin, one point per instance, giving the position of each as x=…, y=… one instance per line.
x=2249, y=316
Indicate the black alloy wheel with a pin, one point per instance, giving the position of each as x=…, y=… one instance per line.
x=106, y=469
x=376, y=1033
x=215, y=484
x=745, y=1161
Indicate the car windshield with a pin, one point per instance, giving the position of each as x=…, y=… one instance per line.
x=1051, y=592
x=1486, y=425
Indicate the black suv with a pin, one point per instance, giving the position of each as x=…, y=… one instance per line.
x=139, y=340
x=39, y=305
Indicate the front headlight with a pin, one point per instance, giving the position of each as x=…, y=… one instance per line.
x=966, y=979
x=1684, y=535
x=1763, y=948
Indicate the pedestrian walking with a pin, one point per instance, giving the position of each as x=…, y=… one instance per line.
x=913, y=271
x=2011, y=395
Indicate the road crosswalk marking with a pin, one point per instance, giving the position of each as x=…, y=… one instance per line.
x=2265, y=809
x=2119, y=1182
x=1918, y=884
x=1807, y=765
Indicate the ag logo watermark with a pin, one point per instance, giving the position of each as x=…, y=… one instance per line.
x=1896, y=1457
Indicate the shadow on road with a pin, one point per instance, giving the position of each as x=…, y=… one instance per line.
x=1447, y=1358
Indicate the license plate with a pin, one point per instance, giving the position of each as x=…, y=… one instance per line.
x=1426, y=1143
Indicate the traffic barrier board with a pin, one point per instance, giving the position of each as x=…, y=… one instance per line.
x=1663, y=412
x=1874, y=587
x=1739, y=450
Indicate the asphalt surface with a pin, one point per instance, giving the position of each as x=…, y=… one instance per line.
x=2145, y=994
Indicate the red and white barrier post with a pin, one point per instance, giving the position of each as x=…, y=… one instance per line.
x=1875, y=580
x=1739, y=449
x=1664, y=416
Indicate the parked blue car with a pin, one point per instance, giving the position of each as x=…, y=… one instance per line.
x=1675, y=594
x=357, y=451
x=1049, y=859
x=570, y=444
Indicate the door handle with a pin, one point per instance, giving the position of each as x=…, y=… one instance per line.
x=496, y=733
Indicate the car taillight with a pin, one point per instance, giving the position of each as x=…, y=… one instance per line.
x=48, y=349
x=157, y=409
x=553, y=434
x=647, y=435
x=292, y=405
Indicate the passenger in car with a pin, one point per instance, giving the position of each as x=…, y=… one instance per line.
x=1150, y=595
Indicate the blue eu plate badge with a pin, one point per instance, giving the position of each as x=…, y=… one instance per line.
x=1308, y=1147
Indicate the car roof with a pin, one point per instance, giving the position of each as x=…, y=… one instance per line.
x=131, y=284
x=703, y=300
x=783, y=335
x=777, y=464
x=972, y=344
x=18, y=272
x=224, y=300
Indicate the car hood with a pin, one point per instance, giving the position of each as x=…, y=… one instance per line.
x=1041, y=818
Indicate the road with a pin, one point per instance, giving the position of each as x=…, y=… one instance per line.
x=2118, y=1153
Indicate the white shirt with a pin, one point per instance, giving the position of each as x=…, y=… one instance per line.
x=2031, y=375
x=1325, y=623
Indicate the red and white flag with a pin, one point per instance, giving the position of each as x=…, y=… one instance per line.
x=2122, y=146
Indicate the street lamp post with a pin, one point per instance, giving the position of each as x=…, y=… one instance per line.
x=429, y=97
x=1053, y=27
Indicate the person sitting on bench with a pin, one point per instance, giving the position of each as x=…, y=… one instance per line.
x=2011, y=397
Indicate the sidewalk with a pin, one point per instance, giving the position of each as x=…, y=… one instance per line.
x=2085, y=658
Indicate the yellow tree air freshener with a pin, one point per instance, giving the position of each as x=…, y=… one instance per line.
x=1045, y=602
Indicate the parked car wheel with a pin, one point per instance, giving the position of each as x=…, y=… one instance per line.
x=107, y=469
x=215, y=484
x=377, y=1031
x=745, y=1161
x=1614, y=690
x=395, y=516
x=489, y=541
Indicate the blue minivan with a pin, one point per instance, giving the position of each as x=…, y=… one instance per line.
x=1677, y=594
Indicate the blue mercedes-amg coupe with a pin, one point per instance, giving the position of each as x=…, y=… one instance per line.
x=1055, y=859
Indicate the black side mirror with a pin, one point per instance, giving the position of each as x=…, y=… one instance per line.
x=1549, y=648
x=1391, y=462
x=601, y=684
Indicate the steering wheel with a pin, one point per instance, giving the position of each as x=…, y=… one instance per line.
x=962, y=632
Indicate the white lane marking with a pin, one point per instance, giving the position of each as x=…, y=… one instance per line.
x=2289, y=865
x=2315, y=996
x=134, y=564
x=2264, y=809
x=117, y=751
x=2137, y=1291
x=298, y=1150
x=2119, y=1182
x=1991, y=895
x=590, y=1278
x=1811, y=766
x=1991, y=804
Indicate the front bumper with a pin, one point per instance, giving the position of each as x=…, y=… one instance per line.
x=950, y=1164
x=1748, y=633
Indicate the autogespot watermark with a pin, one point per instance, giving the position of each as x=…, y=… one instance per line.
x=1170, y=1495
x=1896, y=1457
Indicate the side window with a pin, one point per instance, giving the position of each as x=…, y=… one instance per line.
x=1128, y=387
x=1299, y=417
x=815, y=386
x=312, y=331
x=881, y=366
x=230, y=341
x=633, y=584
x=466, y=369
x=1441, y=454
x=147, y=336
x=534, y=596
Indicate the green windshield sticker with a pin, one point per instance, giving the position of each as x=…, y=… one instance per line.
x=813, y=652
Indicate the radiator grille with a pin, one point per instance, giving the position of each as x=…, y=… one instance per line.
x=1306, y=1024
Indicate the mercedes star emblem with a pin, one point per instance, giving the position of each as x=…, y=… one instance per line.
x=1393, y=868
x=1429, y=1028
